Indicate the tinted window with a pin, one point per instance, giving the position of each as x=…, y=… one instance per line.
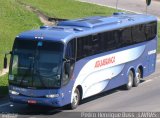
x=84, y=46
x=71, y=49
x=36, y=63
x=138, y=33
x=95, y=44
x=96, y=41
x=126, y=37
x=70, y=55
x=110, y=40
x=151, y=30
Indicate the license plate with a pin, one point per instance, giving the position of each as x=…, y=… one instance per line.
x=32, y=101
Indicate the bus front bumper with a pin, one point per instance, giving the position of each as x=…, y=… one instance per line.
x=53, y=102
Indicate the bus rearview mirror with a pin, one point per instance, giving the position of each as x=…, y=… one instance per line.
x=67, y=68
x=5, y=62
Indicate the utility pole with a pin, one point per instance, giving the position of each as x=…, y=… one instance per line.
x=117, y=4
x=148, y=2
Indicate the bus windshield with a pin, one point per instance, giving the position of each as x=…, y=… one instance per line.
x=36, y=64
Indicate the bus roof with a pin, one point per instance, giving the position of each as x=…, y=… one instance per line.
x=66, y=30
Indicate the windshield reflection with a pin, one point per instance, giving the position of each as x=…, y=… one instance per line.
x=36, y=64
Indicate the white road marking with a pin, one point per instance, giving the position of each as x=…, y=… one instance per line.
x=157, y=77
x=146, y=81
x=149, y=80
x=5, y=104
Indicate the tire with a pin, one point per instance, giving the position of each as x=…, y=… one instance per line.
x=75, y=100
x=137, y=79
x=129, y=84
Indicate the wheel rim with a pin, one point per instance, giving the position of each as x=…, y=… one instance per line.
x=75, y=98
x=138, y=76
x=130, y=79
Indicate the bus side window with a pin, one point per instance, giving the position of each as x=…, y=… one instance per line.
x=103, y=42
x=151, y=30
x=69, y=55
x=138, y=34
x=87, y=46
x=126, y=37
x=117, y=38
x=96, y=44
x=79, y=48
x=70, y=50
x=110, y=40
x=84, y=47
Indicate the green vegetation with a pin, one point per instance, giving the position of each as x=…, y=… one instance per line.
x=3, y=85
x=13, y=19
x=68, y=9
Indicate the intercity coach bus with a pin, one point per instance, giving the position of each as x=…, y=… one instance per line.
x=63, y=64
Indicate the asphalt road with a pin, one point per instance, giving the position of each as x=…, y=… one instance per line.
x=138, y=6
x=145, y=97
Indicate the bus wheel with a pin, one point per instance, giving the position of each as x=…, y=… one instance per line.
x=76, y=99
x=129, y=84
x=137, y=79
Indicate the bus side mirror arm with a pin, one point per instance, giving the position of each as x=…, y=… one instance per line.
x=5, y=59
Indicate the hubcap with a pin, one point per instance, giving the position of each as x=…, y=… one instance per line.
x=138, y=77
x=75, y=98
x=130, y=80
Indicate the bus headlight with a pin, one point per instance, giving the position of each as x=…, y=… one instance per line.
x=52, y=96
x=13, y=92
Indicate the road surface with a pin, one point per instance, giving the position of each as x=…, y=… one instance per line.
x=145, y=97
x=138, y=6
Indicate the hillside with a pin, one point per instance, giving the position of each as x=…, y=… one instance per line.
x=13, y=20
x=68, y=9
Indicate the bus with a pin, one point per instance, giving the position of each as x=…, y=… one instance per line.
x=63, y=64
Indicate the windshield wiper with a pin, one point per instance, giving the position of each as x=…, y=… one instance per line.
x=35, y=68
x=40, y=78
x=21, y=82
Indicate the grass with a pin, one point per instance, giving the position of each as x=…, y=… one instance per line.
x=13, y=20
x=3, y=85
x=68, y=9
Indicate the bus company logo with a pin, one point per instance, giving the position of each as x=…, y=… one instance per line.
x=152, y=52
x=104, y=62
